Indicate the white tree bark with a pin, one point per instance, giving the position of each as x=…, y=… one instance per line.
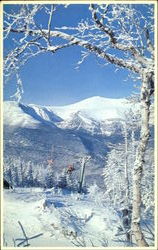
x=139, y=162
x=126, y=164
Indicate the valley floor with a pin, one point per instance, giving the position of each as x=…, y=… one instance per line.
x=51, y=218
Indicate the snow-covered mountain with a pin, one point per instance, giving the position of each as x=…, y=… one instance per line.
x=93, y=114
x=95, y=108
x=34, y=133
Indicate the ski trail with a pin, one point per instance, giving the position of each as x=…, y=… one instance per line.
x=58, y=218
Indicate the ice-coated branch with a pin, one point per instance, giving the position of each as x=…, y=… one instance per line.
x=149, y=43
x=92, y=48
x=113, y=38
x=111, y=35
x=101, y=26
x=50, y=21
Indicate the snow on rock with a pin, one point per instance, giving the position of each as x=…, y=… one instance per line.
x=78, y=121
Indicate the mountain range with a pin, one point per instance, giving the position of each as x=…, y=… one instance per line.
x=65, y=134
x=90, y=115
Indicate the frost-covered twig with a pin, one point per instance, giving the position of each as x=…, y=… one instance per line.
x=79, y=242
x=104, y=241
x=82, y=242
x=149, y=230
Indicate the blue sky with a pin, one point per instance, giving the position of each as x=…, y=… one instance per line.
x=53, y=80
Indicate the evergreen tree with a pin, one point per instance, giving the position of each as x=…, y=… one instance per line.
x=50, y=176
x=15, y=176
x=29, y=181
x=62, y=182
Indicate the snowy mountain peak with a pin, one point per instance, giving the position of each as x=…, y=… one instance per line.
x=97, y=108
x=88, y=113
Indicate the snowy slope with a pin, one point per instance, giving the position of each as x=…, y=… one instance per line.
x=97, y=108
x=57, y=218
x=20, y=115
x=14, y=116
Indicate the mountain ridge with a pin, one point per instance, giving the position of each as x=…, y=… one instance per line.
x=89, y=111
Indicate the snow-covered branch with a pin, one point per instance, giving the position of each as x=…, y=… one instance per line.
x=76, y=41
x=115, y=34
x=114, y=38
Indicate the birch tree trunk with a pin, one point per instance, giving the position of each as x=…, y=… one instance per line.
x=126, y=164
x=139, y=162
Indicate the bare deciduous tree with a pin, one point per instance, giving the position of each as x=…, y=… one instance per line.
x=120, y=34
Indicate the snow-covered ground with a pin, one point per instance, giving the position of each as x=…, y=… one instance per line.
x=55, y=219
